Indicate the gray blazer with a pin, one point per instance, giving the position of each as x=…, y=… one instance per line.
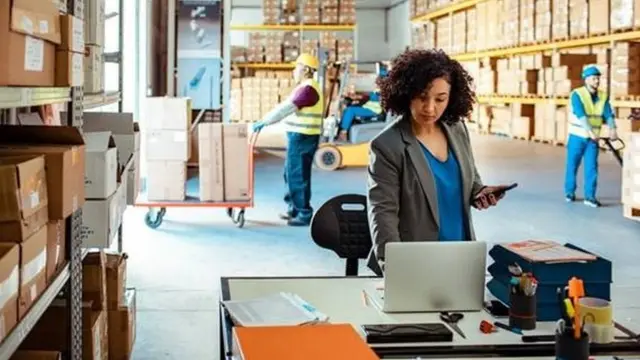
x=402, y=198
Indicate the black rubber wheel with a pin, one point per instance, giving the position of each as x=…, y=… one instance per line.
x=240, y=219
x=154, y=221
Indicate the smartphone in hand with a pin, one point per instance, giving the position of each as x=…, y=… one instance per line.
x=501, y=191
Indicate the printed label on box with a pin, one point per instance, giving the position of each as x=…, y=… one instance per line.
x=33, y=54
x=44, y=27
x=27, y=24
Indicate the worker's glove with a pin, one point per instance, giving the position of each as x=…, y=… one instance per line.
x=613, y=134
x=257, y=126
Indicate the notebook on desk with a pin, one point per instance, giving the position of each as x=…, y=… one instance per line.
x=312, y=342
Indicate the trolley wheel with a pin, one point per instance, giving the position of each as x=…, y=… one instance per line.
x=154, y=220
x=237, y=218
x=328, y=158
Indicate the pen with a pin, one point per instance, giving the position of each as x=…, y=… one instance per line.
x=508, y=328
x=365, y=298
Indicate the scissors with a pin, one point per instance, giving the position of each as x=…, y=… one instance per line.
x=452, y=320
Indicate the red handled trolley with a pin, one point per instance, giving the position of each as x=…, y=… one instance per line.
x=235, y=209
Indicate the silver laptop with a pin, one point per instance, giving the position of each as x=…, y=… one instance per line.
x=434, y=276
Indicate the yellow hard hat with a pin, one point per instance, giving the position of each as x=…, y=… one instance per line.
x=308, y=60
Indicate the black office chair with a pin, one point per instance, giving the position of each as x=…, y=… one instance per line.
x=341, y=225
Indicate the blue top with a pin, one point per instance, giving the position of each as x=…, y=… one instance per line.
x=579, y=112
x=449, y=189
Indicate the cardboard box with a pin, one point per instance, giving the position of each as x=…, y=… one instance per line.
x=122, y=328
x=33, y=270
x=63, y=150
x=101, y=218
x=56, y=256
x=36, y=18
x=26, y=60
x=126, y=134
x=94, y=22
x=236, y=162
x=94, y=280
x=167, y=113
x=93, y=69
x=101, y=165
x=95, y=332
x=72, y=30
x=211, y=164
x=167, y=145
x=36, y=355
x=116, y=280
x=23, y=189
x=166, y=180
x=10, y=283
x=69, y=69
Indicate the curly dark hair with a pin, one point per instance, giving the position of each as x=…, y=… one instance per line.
x=413, y=71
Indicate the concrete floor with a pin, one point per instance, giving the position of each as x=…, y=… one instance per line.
x=176, y=268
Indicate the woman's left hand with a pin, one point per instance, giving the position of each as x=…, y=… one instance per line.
x=486, y=198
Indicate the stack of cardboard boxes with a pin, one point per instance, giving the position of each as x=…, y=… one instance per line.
x=166, y=137
x=38, y=46
x=41, y=177
x=109, y=312
x=111, y=177
x=631, y=169
x=253, y=97
x=625, y=61
x=94, y=39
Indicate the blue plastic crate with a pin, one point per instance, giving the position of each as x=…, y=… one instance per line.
x=546, y=291
x=597, y=271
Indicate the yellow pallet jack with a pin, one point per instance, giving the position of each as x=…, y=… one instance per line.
x=333, y=154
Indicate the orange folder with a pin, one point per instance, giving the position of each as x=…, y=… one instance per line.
x=306, y=342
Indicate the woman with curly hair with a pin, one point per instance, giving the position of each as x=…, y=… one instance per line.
x=422, y=179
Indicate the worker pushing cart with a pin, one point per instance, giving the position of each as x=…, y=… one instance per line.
x=303, y=111
x=590, y=109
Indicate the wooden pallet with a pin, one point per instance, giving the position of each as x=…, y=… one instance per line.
x=625, y=29
x=632, y=213
x=628, y=97
x=542, y=141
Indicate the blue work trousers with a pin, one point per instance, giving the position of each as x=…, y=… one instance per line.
x=297, y=174
x=579, y=148
x=350, y=113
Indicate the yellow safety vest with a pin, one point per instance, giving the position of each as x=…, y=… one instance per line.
x=373, y=106
x=308, y=120
x=594, y=113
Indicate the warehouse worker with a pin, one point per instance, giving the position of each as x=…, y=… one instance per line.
x=590, y=109
x=303, y=111
x=369, y=109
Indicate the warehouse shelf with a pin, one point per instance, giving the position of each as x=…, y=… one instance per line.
x=293, y=27
x=446, y=10
x=556, y=45
x=91, y=101
x=13, y=97
x=533, y=100
x=11, y=343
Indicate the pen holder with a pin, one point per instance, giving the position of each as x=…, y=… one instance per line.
x=522, y=312
x=570, y=348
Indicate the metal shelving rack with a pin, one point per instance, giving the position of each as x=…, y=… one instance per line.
x=68, y=282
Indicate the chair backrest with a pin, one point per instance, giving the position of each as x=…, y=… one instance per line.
x=341, y=225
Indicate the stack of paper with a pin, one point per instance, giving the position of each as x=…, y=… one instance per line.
x=278, y=309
